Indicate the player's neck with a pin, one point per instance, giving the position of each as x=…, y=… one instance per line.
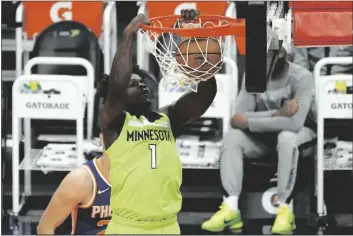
x=136, y=110
x=103, y=166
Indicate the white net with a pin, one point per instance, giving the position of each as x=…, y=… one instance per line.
x=185, y=61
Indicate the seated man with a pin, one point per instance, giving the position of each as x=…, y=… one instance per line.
x=282, y=118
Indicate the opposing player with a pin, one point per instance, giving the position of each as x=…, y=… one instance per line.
x=85, y=193
x=145, y=169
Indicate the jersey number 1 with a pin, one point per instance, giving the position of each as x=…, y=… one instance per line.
x=153, y=150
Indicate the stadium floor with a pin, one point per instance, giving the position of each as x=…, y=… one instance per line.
x=252, y=228
x=194, y=212
x=201, y=197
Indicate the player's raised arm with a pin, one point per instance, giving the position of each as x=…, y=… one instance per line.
x=121, y=72
x=191, y=105
x=73, y=190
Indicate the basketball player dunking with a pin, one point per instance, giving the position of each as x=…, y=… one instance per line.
x=85, y=193
x=145, y=169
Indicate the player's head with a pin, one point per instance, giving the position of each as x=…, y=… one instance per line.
x=137, y=94
x=281, y=62
x=273, y=50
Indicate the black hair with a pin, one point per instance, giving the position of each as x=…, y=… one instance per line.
x=281, y=61
x=103, y=84
x=143, y=74
x=146, y=77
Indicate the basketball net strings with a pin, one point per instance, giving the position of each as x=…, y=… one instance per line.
x=165, y=47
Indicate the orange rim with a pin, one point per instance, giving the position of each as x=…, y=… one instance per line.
x=234, y=27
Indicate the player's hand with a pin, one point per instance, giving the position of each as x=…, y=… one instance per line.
x=189, y=14
x=289, y=108
x=240, y=121
x=136, y=23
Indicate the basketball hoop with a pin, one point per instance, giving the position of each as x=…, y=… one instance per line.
x=193, y=51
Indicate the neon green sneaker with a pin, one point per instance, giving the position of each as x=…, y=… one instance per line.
x=222, y=219
x=284, y=222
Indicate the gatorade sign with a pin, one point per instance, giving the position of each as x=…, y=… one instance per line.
x=330, y=23
x=40, y=15
x=61, y=11
x=54, y=97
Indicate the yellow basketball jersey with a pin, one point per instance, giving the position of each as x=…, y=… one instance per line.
x=145, y=170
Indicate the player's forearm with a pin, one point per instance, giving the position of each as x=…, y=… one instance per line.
x=45, y=229
x=206, y=93
x=193, y=105
x=273, y=124
x=121, y=71
x=260, y=114
x=278, y=123
x=200, y=101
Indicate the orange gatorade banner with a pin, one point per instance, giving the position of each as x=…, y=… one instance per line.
x=40, y=15
x=323, y=5
x=319, y=24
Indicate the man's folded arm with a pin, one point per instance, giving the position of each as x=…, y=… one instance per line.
x=303, y=89
x=260, y=114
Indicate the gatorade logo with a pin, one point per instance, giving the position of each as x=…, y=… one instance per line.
x=41, y=14
x=342, y=106
x=61, y=11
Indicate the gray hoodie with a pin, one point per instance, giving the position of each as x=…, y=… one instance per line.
x=296, y=83
x=307, y=57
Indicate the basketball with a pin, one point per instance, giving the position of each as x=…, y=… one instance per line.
x=199, y=57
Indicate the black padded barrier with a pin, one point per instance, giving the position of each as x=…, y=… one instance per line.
x=67, y=39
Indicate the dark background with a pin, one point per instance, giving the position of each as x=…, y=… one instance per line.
x=208, y=183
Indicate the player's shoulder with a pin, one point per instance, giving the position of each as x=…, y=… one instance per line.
x=76, y=184
x=164, y=111
x=298, y=72
x=78, y=178
x=160, y=114
x=298, y=69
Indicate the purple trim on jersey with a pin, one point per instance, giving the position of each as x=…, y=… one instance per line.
x=94, y=218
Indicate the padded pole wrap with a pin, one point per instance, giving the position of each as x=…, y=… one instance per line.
x=319, y=24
